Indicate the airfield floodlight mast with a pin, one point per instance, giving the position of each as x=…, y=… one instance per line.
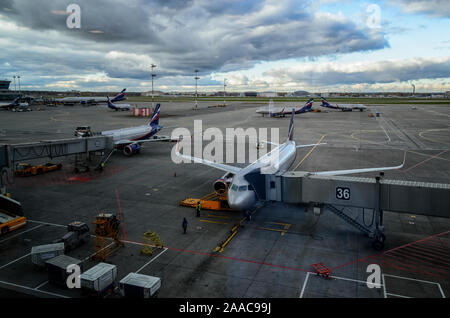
x=196, y=78
x=153, y=75
x=14, y=77
x=19, y=82
x=224, y=93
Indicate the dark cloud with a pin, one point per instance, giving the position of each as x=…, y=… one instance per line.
x=180, y=36
x=369, y=73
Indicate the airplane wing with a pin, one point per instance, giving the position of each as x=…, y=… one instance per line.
x=220, y=166
x=310, y=145
x=350, y=171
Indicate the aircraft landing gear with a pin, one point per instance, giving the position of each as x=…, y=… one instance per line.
x=378, y=242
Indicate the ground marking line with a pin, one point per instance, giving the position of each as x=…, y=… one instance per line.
x=165, y=249
x=309, y=152
x=34, y=228
x=32, y=289
x=304, y=285
x=46, y=223
x=41, y=285
x=384, y=286
x=18, y=259
x=417, y=280
x=395, y=295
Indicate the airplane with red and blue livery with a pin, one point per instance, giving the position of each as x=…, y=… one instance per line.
x=129, y=140
x=343, y=107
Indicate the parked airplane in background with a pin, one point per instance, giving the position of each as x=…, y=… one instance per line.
x=281, y=112
x=343, y=107
x=90, y=99
x=15, y=105
x=237, y=181
x=117, y=107
x=129, y=140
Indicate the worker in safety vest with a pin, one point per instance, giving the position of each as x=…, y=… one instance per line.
x=198, y=208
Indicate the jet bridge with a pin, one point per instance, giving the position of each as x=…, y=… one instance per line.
x=10, y=154
x=336, y=193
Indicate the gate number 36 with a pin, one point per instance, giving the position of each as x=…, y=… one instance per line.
x=342, y=193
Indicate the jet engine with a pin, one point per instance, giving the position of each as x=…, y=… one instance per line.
x=131, y=149
x=222, y=184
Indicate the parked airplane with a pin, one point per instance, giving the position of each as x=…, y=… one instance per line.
x=343, y=107
x=15, y=105
x=129, y=140
x=90, y=99
x=281, y=112
x=117, y=107
x=238, y=181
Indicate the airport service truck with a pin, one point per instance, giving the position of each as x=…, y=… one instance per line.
x=11, y=215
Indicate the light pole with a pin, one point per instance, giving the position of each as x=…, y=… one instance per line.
x=153, y=75
x=19, y=83
x=14, y=83
x=196, y=78
x=224, y=93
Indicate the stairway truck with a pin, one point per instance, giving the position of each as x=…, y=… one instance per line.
x=99, y=279
x=57, y=269
x=139, y=286
x=42, y=253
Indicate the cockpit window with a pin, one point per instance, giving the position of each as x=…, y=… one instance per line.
x=234, y=187
x=242, y=188
x=250, y=187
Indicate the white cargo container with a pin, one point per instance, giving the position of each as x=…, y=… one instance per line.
x=42, y=253
x=139, y=286
x=98, y=279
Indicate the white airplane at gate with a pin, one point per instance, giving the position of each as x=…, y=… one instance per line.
x=241, y=192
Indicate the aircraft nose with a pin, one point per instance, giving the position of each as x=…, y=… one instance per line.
x=240, y=201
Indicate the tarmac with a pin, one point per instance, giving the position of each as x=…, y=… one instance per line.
x=271, y=254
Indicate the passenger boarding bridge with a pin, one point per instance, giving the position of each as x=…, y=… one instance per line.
x=335, y=193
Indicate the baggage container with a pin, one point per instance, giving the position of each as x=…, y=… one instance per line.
x=57, y=269
x=98, y=279
x=139, y=286
x=40, y=254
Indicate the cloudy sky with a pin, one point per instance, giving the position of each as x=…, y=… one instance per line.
x=272, y=45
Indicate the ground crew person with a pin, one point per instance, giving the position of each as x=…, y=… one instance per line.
x=198, y=208
x=185, y=223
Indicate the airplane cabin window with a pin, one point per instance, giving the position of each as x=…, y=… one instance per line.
x=242, y=188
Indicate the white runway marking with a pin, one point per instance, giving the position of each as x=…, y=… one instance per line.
x=34, y=228
x=165, y=249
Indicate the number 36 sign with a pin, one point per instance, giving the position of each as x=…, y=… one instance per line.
x=342, y=193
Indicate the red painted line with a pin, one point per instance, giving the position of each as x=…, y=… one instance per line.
x=413, y=271
x=437, y=249
x=433, y=254
x=121, y=215
x=229, y=258
x=422, y=258
x=389, y=251
x=392, y=257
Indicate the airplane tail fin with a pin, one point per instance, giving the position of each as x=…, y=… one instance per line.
x=325, y=102
x=155, y=117
x=15, y=101
x=119, y=96
x=291, y=126
x=110, y=104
